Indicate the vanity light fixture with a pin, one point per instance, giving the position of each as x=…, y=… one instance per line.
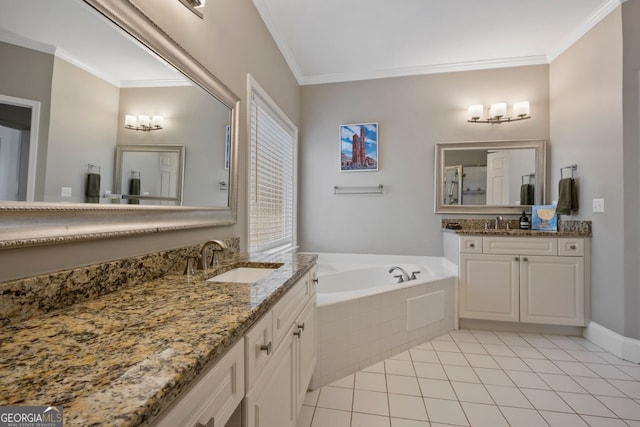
x=143, y=122
x=194, y=5
x=498, y=113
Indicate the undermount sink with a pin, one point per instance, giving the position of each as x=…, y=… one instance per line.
x=242, y=275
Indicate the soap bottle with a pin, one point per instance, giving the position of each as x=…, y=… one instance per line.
x=524, y=221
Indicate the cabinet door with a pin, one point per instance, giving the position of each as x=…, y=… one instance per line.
x=271, y=402
x=552, y=290
x=306, y=351
x=489, y=287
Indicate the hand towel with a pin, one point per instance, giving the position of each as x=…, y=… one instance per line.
x=92, y=191
x=526, y=194
x=134, y=190
x=567, y=196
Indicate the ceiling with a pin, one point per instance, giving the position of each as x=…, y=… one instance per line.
x=337, y=40
x=74, y=31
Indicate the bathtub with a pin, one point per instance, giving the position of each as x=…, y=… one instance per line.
x=365, y=316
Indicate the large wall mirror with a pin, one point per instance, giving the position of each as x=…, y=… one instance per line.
x=489, y=177
x=84, y=82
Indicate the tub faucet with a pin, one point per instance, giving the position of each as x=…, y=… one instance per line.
x=216, y=246
x=404, y=277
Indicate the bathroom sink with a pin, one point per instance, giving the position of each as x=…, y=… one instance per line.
x=242, y=275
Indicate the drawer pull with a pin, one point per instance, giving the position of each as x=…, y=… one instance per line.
x=298, y=333
x=301, y=327
x=266, y=348
x=472, y=245
x=315, y=280
x=516, y=259
x=573, y=247
x=525, y=259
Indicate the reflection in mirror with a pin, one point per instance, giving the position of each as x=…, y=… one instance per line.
x=149, y=175
x=86, y=75
x=476, y=177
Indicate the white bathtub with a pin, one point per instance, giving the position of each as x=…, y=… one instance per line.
x=365, y=316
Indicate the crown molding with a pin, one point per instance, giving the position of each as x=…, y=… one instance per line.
x=16, y=40
x=426, y=69
x=583, y=29
x=279, y=38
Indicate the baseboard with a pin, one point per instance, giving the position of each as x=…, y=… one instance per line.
x=616, y=344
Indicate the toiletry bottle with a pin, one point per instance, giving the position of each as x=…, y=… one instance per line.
x=524, y=221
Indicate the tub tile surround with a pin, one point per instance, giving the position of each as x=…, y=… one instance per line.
x=122, y=357
x=484, y=378
x=24, y=298
x=573, y=228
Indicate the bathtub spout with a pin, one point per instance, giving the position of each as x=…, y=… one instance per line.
x=404, y=277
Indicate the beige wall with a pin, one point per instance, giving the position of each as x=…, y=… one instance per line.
x=631, y=150
x=413, y=113
x=586, y=129
x=84, y=119
x=27, y=74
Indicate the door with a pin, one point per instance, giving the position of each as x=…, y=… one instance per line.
x=306, y=351
x=271, y=402
x=489, y=287
x=552, y=290
x=498, y=178
x=167, y=179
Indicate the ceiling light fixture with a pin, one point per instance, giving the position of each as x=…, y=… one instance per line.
x=498, y=113
x=143, y=122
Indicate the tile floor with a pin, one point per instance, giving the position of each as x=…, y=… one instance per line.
x=484, y=378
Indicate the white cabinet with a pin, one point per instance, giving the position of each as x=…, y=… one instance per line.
x=542, y=280
x=212, y=399
x=276, y=388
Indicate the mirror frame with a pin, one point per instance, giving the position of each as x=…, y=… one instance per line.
x=40, y=223
x=148, y=148
x=540, y=170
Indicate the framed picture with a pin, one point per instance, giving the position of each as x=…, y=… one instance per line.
x=544, y=218
x=359, y=147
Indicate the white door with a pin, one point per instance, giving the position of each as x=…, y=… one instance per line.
x=489, y=287
x=10, y=141
x=552, y=290
x=498, y=178
x=167, y=179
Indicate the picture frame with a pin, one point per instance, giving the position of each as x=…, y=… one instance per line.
x=544, y=218
x=359, y=147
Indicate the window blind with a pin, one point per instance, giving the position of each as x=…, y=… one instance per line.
x=271, y=179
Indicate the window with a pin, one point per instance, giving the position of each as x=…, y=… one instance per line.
x=272, y=172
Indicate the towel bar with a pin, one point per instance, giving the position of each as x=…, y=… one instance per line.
x=574, y=168
x=530, y=177
x=363, y=189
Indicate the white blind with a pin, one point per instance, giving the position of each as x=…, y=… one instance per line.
x=271, y=179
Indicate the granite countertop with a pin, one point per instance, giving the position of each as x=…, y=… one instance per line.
x=120, y=359
x=516, y=232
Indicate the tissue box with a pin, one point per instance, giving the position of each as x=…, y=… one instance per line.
x=544, y=218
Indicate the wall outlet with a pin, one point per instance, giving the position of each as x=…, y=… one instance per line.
x=65, y=192
x=598, y=205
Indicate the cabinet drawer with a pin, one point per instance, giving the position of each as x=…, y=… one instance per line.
x=214, y=396
x=287, y=309
x=471, y=244
x=520, y=246
x=570, y=246
x=259, y=346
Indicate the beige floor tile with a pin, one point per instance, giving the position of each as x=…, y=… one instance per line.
x=398, y=384
x=430, y=370
x=519, y=417
x=370, y=381
x=484, y=415
x=411, y=407
x=546, y=400
x=400, y=422
x=399, y=367
x=508, y=396
x=558, y=419
x=438, y=389
x=481, y=361
x=331, y=418
x=494, y=377
x=335, y=398
x=445, y=412
x=370, y=402
x=368, y=420
x=470, y=392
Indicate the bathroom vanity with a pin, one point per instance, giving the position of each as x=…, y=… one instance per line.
x=522, y=276
x=177, y=350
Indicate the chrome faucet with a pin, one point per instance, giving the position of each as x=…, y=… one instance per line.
x=498, y=219
x=404, y=277
x=215, y=246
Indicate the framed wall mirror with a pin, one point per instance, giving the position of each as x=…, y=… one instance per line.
x=80, y=71
x=489, y=177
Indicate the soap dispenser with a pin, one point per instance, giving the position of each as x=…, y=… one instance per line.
x=524, y=221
